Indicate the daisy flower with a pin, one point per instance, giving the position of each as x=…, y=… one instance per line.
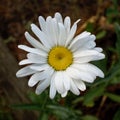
x=58, y=58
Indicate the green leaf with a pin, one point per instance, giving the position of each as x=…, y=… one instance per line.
x=92, y=94
x=112, y=73
x=77, y=100
x=37, y=98
x=113, y=97
x=117, y=29
x=44, y=117
x=112, y=12
x=90, y=27
x=117, y=115
x=116, y=79
x=89, y=117
x=27, y=106
x=101, y=34
x=64, y=112
x=60, y=111
x=60, y=108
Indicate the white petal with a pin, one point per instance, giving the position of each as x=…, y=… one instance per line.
x=72, y=72
x=91, y=42
x=42, y=37
x=42, y=86
x=80, y=84
x=82, y=35
x=25, y=72
x=79, y=41
x=87, y=56
x=52, y=91
x=58, y=17
x=91, y=69
x=25, y=61
x=88, y=43
x=83, y=53
x=39, y=67
x=36, y=58
x=52, y=30
x=42, y=23
x=64, y=94
x=75, y=73
x=34, y=42
x=35, y=78
x=52, y=88
x=32, y=50
x=72, y=33
x=66, y=80
x=74, y=88
x=62, y=35
x=55, y=30
x=59, y=82
x=67, y=24
x=49, y=72
x=98, y=49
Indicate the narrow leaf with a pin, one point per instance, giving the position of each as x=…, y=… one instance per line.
x=113, y=97
x=27, y=106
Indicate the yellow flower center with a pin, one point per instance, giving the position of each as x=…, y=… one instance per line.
x=60, y=58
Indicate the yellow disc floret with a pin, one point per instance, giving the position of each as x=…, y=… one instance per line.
x=60, y=58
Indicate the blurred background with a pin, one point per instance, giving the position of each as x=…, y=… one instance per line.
x=101, y=100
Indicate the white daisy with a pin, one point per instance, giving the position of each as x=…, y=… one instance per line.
x=60, y=59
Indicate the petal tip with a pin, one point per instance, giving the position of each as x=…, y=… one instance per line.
x=51, y=97
x=30, y=84
x=32, y=25
x=26, y=33
x=18, y=74
x=37, y=92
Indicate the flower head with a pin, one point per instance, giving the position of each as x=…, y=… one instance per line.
x=58, y=58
